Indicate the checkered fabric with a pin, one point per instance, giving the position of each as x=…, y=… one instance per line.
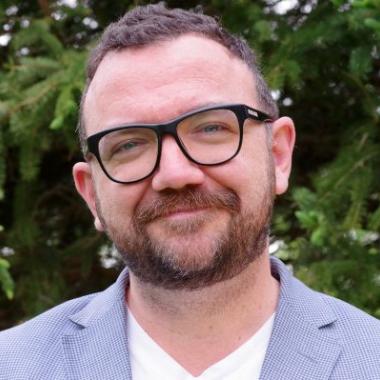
x=314, y=337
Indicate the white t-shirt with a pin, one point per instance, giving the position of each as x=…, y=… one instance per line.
x=150, y=362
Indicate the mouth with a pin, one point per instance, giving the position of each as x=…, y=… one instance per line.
x=180, y=222
x=190, y=205
x=183, y=213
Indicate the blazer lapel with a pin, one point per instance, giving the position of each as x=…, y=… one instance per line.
x=302, y=345
x=98, y=349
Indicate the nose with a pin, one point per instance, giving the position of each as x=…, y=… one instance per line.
x=175, y=171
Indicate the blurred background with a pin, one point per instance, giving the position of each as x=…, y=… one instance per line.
x=322, y=62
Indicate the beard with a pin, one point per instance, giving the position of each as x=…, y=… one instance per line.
x=183, y=259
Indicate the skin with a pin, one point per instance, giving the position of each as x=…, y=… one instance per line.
x=188, y=72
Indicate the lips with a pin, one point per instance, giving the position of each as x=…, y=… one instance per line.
x=182, y=211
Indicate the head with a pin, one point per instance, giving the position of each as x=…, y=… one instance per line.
x=186, y=225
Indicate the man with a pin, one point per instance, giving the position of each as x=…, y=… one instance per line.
x=184, y=155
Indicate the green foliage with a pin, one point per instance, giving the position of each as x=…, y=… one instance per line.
x=5, y=279
x=39, y=91
x=321, y=58
x=334, y=242
x=2, y=165
x=38, y=37
x=361, y=61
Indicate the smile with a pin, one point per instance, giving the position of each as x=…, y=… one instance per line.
x=183, y=213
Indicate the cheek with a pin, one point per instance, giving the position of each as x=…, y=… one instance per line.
x=237, y=175
x=118, y=201
x=247, y=175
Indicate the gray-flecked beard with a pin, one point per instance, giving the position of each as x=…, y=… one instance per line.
x=154, y=262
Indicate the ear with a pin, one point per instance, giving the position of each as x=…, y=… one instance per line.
x=283, y=139
x=85, y=186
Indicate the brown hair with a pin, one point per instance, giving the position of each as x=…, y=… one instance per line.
x=145, y=25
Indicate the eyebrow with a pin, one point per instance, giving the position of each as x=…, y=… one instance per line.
x=200, y=106
x=185, y=111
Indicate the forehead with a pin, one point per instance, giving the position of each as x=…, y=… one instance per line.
x=160, y=81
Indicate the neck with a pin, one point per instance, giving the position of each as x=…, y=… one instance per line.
x=200, y=327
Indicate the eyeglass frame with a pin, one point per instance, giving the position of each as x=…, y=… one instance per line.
x=241, y=111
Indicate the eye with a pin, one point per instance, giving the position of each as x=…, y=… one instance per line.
x=128, y=145
x=129, y=148
x=212, y=128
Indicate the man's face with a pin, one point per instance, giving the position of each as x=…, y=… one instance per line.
x=187, y=225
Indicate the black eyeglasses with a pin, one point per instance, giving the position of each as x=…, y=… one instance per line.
x=208, y=136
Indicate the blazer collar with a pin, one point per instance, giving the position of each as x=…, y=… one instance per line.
x=98, y=349
x=303, y=344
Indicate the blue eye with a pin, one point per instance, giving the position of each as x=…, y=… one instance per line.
x=212, y=128
x=129, y=145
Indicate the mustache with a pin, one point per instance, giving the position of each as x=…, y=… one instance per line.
x=171, y=201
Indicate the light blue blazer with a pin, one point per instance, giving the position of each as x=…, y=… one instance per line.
x=314, y=337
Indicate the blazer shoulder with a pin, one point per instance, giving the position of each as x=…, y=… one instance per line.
x=38, y=340
x=354, y=323
x=358, y=333
x=321, y=326
x=48, y=321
